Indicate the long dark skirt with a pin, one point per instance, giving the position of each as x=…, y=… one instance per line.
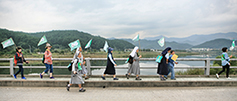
x=110, y=68
x=162, y=67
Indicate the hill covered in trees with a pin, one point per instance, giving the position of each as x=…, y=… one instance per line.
x=59, y=39
x=216, y=44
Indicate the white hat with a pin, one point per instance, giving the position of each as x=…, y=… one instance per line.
x=48, y=45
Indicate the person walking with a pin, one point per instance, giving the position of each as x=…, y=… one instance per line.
x=171, y=63
x=20, y=59
x=48, y=62
x=110, y=69
x=76, y=77
x=225, y=61
x=134, y=67
x=163, y=65
x=84, y=70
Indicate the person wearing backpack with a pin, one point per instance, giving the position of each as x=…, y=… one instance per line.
x=18, y=60
x=134, y=67
x=84, y=71
x=225, y=61
x=76, y=72
x=48, y=62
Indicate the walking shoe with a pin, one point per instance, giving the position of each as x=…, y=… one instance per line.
x=23, y=78
x=165, y=77
x=116, y=79
x=173, y=79
x=51, y=77
x=228, y=78
x=127, y=76
x=41, y=76
x=217, y=76
x=87, y=77
x=14, y=76
x=103, y=77
x=138, y=78
x=68, y=88
x=82, y=90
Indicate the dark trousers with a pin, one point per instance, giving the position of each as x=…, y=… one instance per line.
x=223, y=69
x=20, y=70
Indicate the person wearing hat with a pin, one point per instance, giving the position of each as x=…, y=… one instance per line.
x=20, y=59
x=48, y=62
x=110, y=65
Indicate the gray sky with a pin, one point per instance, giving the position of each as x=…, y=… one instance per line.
x=121, y=18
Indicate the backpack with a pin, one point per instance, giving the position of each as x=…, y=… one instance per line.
x=130, y=60
x=69, y=67
x=14, y=59
x=43, y=59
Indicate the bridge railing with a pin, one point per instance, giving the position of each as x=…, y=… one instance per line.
x=90, y=67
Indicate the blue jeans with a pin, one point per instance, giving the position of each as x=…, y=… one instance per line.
x=48, y=66
x=20, y=70
x=171, y=69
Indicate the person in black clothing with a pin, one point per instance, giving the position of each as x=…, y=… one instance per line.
x=110, y=65
x=163, y=65
x=20, y=59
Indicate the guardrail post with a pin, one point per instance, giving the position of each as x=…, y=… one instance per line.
x=11, y=66
x=207, y=64
x=88, y=64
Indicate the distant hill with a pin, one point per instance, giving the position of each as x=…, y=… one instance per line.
x=197, y=39
x=60, y=39
x=152, y=44
x=216, y=44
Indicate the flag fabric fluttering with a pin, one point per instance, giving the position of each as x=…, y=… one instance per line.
x=88, y=44
x=7, y=43
x=42, y=40
x=75, y=44
x=136, y=38
x=233, y=45
x=161, y=42
x=106, y=46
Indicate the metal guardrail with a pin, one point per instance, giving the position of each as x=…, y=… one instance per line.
x=89, y=67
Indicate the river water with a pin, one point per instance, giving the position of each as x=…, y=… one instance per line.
x=154, y=64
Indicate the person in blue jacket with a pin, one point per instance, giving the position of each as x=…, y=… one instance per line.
x=171, y=66
x=225, y=61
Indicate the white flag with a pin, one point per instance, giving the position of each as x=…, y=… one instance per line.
x=136, y=38
x=161, y=42
x=106, y=46
x=88, y=44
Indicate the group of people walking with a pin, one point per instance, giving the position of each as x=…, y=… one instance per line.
x=165, y=66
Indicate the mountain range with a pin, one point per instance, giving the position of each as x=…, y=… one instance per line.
x=198, y=39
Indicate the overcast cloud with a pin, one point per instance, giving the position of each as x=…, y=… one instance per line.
x=121, y=18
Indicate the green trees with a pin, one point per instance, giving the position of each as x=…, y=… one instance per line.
x=59, y=39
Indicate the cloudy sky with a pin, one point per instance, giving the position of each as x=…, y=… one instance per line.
x=121, y=18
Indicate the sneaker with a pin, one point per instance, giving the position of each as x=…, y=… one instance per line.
x=116, y=79
x=68, y=88
x=138, y=78
x=23, y=78
x=165, y=77
x=103, y=77
x=87, y=77
x=217, y=76
x=173, y=79
x=228, y=78
x=127, y=76
x=14, y=76
x=82, y=90
x=51, y=77
x=41, y=76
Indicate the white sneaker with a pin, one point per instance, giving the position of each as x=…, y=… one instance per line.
x=217, y=76
x=228, y=78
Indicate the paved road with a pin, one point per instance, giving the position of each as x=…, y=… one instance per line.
x=119, y=94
